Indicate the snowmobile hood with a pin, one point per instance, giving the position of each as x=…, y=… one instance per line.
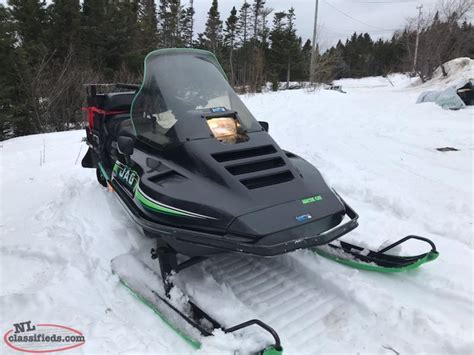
x=252, y=189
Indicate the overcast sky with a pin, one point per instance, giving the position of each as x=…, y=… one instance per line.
x=337, y=19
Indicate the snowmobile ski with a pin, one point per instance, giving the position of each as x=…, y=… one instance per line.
x=362, y=258
x=176, y=309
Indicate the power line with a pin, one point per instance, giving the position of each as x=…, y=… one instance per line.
x=353, y=18
x=331, y=33
x=350, y=31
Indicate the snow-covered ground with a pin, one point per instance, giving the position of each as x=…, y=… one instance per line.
x=60, y=229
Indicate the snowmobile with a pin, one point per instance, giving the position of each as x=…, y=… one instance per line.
x=199, y=174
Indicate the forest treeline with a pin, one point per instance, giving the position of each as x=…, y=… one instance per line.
x=49, y=50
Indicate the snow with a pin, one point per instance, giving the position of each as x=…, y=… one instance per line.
x=458, y=71
x=60, y=230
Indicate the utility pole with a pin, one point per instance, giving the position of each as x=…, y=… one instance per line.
x=417, y=37
x=191, y=5
x=315, y=47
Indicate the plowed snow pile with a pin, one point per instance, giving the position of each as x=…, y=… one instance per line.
x=457, y=71
x=60, y=229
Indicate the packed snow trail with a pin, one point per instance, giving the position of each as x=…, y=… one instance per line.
x=60, y=229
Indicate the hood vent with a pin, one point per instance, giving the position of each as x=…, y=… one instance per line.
x=256, y=167
x=267, y=180
x=244, y=153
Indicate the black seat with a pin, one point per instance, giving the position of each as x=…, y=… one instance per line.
x=126, y=129
x=120, y=124
x=115, y=101
x=117, y=125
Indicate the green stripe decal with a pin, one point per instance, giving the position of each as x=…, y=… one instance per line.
x=432, y=255
x=191, y=341
x=157, y=208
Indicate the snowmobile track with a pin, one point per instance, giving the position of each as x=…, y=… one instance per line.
x=280, y=294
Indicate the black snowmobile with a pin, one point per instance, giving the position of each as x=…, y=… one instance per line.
x=199, y=173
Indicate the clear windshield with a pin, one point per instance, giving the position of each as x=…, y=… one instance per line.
x=178, y=83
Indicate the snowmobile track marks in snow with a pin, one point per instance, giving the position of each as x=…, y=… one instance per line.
x=281, y=296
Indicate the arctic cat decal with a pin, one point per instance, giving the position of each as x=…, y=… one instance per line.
x=311, y=199
x=303, y=217
x=126, y=175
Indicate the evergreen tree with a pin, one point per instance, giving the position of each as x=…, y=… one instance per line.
x=285, y=52
x=244, y=22
x=148, y=25
x=30, y=57
x=306, y=54
x=213, y=32
x=257, y=10
x=9, y=124
x=93, y=26
x=230, y=39
x=188, y=25
x=172, y=24
x=121, y=37
x=175, y=21
x=30, y=19
x=164, y=23
x=65, y=28
x=277, y=48
x=264, y=32
x=294, y=55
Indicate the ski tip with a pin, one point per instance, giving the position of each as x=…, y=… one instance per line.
x=398, y=264
x=272, y=350
x=432, y=255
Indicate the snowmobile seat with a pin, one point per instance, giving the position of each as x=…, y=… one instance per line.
x=126, y=129
x=115, y=101
x=120, y=125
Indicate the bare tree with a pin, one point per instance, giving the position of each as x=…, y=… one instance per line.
x=441, y=37
x=53, y=90
x=455, y=10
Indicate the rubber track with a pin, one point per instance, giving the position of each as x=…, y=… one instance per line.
x=278, y=294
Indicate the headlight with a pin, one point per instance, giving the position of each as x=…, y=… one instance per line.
x=223, y=128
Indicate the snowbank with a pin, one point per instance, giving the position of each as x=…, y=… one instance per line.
x=391, y=80
x=458, y=70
